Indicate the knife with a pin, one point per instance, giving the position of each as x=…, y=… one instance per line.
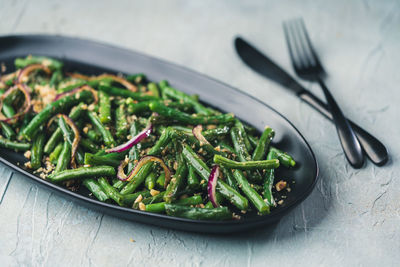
x=264, y=66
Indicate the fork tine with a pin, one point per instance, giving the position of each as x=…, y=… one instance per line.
x=312, y=53
x=303, y=45
x=293, y=50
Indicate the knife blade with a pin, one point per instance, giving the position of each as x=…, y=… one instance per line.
x=264, y=66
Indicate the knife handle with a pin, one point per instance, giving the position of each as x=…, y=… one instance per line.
x=374, y=149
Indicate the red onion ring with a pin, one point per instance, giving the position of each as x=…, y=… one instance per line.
x=128, y=85
x=28, y=69
x=135, y=140
x=121, y=175
x=79, y=89
x=78, y=76
x=27, y=105
x=9, y=76
x=77, y=136
x=199, y=136
x=212, y=184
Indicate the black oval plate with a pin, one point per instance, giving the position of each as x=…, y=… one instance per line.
x=92, y=58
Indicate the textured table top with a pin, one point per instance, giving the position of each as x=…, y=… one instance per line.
x=351, y=218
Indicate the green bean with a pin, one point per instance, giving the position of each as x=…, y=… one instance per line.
x=203, y=171
x=136, y=78
x=50, y=62
x=160, y=207
x=121, y=124
x=138, y=179
x=137, y=107
x=7, y=130
x=68, y=136
x=239, y=145
x=119, y=184
x=143, y=106
x=8, y=110
x=242, y=152
x=176, y=115
x=269, y=181
x=160, y=182
x=89, y=145
x=94, y=187
x=81, y=173
x=284, y=158
x=94, y=136
x=177, y=181
x=126, y=93
x=251, y=194
x=134, y=152
x=192, y=179
x=64, y=158
x=230, y=180
x=225, y=146
x=93, y=160
x=209, y=205
x=212, y=134
x=216, y=214
x=67, y=133
x=246, y=165
x=92, y=83
x=105, y=133
x=253, y=140
x=129, y=199
x=104, y=107
x=162, y=142
x=150, y=180
x=37, y=150
x=52, y=109
x=193, y=200
x=243, y=134
x=111, y=191
x=180, y=96
x=55, y=78
x=191, y=140
x=153, y=89
x=17, y=146
x=156, y=207
x=154, y=199
x=263, y=143
x=56, y=153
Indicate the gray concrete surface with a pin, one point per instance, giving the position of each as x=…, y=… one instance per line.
x=353, y=216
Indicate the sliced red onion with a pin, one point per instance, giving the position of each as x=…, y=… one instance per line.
x=79, y=89
x=135, y=140
x=121, y=173
x=212, y=184
x=27, y=104
x=9, y=76
x=128, y=85
x=28, y=69
x=199, y=136
x=139, y=165
x=78, y=76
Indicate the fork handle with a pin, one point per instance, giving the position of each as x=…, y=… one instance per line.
x=348, y=140
x=375, y=150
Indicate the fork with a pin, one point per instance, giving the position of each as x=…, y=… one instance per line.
x=308, y=66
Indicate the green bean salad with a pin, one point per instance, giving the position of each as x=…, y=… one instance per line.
x=138, y=144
